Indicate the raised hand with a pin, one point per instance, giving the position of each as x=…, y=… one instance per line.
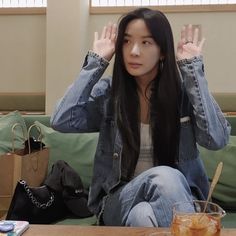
x=189, y=45
x=105, y=45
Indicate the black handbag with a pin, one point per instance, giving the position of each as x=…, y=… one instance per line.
x=37, y=205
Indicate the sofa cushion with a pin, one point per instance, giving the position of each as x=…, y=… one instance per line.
x=76, y=149
x=225, y=191
x=232, y=121
x=30, y=119
x=76, y=221
x=6, y=123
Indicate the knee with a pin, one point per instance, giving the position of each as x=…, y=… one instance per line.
x=166, y=174
x=168, y=180
x=141, y=215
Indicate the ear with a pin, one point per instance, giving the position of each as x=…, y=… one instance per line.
x=162, y=57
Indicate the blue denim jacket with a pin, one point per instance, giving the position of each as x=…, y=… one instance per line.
x=84, y=108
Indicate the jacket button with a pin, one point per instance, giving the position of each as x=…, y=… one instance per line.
x=115, y=155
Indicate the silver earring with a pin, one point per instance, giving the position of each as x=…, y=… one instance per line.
x=161, y=65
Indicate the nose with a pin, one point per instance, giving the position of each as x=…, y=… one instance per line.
x=135, y=50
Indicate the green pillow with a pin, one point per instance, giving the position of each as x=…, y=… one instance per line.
x=76, y=149
x=6, y=123
x=232, y=121
x=225, y=190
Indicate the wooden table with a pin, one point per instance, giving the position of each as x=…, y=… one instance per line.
x=71, y=230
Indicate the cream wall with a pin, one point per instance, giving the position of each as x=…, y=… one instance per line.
x=22, y=53
x=67, y=30
x=45, y=53
x=220, y=46
x=219, y=51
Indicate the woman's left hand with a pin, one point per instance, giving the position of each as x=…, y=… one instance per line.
x=189, y=45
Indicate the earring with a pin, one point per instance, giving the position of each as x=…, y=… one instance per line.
x=161, y=65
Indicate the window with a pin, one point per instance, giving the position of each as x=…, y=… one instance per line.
x=101, y=3
x=23, y=7
x=22, y=3
x=121, y=6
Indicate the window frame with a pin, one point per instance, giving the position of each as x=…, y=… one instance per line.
x=165, y=9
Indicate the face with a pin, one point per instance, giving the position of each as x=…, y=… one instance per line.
x=141, y=54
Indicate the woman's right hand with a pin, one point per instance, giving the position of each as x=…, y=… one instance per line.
x=105, y=45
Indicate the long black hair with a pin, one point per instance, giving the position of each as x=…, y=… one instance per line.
x=164, y=99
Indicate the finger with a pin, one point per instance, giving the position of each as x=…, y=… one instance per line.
x=108, y=31
x=183, y=34
x=201, y=43
x=180, y=47
x=95, y=36
x=113, y=32
x=190, y=33
x=196, y=36
x=103, y=35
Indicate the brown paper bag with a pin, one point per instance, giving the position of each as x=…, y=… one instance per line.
x=31, y=167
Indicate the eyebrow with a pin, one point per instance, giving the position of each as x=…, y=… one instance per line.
x=146, y=36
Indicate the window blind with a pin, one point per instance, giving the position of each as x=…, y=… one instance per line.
x=113, y=3
x=22, y=3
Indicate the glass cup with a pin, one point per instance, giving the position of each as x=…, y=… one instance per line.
x=196, y=218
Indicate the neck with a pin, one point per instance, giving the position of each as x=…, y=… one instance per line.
x=144, y=80
x=142, y=85
x=144, y=105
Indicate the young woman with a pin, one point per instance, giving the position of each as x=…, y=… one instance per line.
x=150, y=118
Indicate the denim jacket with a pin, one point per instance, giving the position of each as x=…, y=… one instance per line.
x=84, y=108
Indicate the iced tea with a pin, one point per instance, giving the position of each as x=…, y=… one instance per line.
x=196, y=218
x=196, y=224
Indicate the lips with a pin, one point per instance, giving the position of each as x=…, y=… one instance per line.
x=134, y=65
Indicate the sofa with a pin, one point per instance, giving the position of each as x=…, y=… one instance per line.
x=78, y=151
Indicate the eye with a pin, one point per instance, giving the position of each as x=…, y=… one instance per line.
x=145, y=42
x=126, y=41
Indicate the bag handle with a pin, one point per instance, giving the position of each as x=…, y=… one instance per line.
x=39, y=137
x=14, y=134
x=26, y=137
x=33, y=198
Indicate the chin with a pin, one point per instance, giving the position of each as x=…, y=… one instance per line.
x=133, y=73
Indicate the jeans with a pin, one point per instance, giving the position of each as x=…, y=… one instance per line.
x=147, y=199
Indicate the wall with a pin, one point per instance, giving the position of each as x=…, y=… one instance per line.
x=66, y=35
x=22, y=50
x=45, y=53
x=219, y=50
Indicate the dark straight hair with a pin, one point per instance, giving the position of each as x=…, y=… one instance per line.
x=164, y=99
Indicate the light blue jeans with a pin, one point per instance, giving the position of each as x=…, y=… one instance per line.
x=147, y=200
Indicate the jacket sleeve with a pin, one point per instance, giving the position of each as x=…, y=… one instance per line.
x=211, y=128
x=81, y=108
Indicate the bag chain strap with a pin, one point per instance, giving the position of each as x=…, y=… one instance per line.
x=34, y=200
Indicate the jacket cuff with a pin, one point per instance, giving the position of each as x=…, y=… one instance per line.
x=190, y=60
x=98, y=58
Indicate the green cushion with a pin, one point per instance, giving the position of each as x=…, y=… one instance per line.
x=232, y=121
x=225, y=191
x=76, y=221
x=229, y=221
x=76, y=149
x=6, y=123
x=30, y=119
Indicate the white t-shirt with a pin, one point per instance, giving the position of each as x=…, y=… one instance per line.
x=145, y=157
